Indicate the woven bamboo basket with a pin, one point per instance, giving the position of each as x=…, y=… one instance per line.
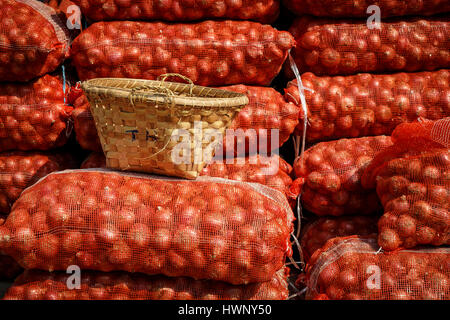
x=160, y=127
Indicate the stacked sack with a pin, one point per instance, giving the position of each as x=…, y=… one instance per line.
x=225, y=235
x=34, y=117
x=360, y=82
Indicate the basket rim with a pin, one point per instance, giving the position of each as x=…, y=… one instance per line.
x=234, y=100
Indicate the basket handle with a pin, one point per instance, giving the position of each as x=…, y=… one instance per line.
x=163, y=77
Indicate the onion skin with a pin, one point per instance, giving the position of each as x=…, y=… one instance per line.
x=341, y=49
x=31, y=48
x=210, y=53
x=189, y=227
x=374, y=104
x=357, y=266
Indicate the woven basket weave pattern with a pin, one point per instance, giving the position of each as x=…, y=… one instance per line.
x=136, y=126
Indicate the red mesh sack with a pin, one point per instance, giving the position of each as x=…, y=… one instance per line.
x=41, y=285
x=265, y=11
x=317, y=232
x=19, y=170
x=272, y=171
x=329, y=174
x=358, y=8
x=355, y=269
x=267, y=113
x=9, y=269
x=33, y=40
x=33, y=116
x=84, y=125
x=210, y=53
x=327, y=47
x=412, y=179
x=210, y=228
x=367, y=105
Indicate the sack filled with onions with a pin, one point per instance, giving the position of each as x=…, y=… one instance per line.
x=33, y=115
x=354, y=268
x=210, y=53
x=271, y=171
x=329, y=176
x=265, y=11
x=19, y=170
x=33, y=40
x=42, y=285
x=412, y=179
x=84, y=125
x=343, y=47
x=317, y=232
x=369, y=104
x=358, y=8
x=209, y=228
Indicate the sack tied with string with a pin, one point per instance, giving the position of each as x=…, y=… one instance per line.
x=42, y=285
x=344, y=47
x=353, y=268
x=33, y=40
x=210, y=228
x=19, y=170
x=266, y=114
x=317, y=232
x=369, y=104
x=412, y=179
x=210, y=53
x=34, y=116
x=271, y=171
x=329, y=176
x=358, y=8
x=264, y=11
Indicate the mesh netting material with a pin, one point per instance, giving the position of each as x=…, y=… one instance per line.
x=33, y=116
x=266, y=113
x=210, y=53
x=33, y=40
x=367, y=105
x=265, y=11
x=84, y=125
x=317, y=232
x=327, y=47
x=210, y=228
x=358, y=8
x=412, y=179
x=329, y=174
x=41, y=285
x=19, y=170
x=355, y=269
x=271, y=171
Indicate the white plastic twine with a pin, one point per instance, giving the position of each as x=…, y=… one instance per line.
x=301, y=93
x=299, y=152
